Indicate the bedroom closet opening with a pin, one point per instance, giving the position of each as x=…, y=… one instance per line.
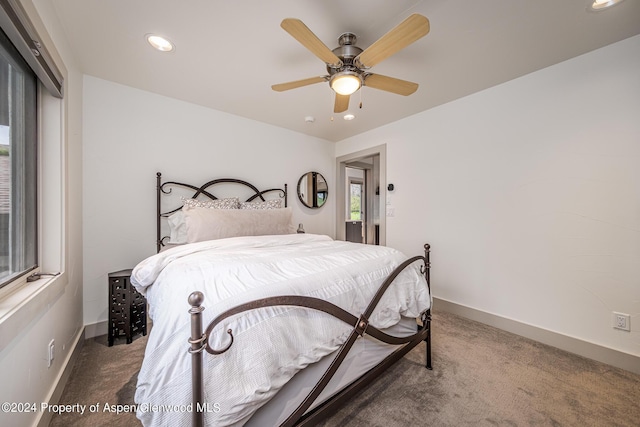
x=360, y=178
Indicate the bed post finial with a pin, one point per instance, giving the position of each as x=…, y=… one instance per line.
x=196, y=299
x=198, y=342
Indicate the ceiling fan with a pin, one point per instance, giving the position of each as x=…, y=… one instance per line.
x=348, y=65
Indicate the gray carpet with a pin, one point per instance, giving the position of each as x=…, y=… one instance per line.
x=482, y=377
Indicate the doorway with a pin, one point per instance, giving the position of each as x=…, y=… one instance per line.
x=361, y=175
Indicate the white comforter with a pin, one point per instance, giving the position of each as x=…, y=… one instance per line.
x=271, y=344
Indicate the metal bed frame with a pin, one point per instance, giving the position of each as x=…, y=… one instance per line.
x=301, y=416
x=205, y=190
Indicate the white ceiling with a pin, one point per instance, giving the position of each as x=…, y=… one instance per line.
x=229, y=52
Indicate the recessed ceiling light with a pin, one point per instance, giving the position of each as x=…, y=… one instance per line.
x=349, y=117
x=160, y=43
x=599, y=5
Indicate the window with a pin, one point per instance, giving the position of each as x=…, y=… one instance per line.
x=355, y=199
x=18, y=164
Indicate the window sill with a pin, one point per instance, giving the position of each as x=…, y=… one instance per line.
x=26, y=303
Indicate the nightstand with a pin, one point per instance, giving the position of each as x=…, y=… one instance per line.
x=127, y=308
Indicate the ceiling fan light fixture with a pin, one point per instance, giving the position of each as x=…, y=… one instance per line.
x=345, y=82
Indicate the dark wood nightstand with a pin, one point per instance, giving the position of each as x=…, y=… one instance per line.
x=127, y=308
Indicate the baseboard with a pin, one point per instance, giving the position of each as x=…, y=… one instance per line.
x=586, y=349
x=45, y=418
x=96, y=329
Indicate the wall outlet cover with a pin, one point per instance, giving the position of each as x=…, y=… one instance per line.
x=622, y=321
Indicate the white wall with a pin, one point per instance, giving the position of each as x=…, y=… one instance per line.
x=529, y=193
x=130, y=134
x=54, y=310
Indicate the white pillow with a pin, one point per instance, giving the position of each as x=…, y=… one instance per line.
x=177, y=228
x=210, y=224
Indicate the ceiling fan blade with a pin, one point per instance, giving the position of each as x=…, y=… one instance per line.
x=390, y=84
x=342, y=103
x=305, y=36
x=281, y=87
x=408, y=31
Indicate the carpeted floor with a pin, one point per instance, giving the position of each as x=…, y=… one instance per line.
x=482, y=376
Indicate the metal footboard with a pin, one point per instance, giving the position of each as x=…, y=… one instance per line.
x=361, y=326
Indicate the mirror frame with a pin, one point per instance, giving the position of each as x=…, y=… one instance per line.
x=315, y=177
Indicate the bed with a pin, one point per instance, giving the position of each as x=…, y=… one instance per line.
x=294, y=324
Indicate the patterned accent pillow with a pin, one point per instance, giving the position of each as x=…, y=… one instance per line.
x=229, y=203
x=269, y=204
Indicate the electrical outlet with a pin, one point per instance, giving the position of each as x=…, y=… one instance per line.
x=622, y=321
x=51, y=353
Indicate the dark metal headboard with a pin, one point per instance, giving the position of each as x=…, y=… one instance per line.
x=163, y=187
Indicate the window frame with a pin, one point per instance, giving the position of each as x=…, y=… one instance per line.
x=358, y=183
x=23, y=112
x=50, y=250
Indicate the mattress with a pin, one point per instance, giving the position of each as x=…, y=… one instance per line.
x=271, y=345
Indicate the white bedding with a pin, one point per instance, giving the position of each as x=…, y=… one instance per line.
x=271, y=344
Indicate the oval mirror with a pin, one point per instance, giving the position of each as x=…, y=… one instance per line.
x=312, y=190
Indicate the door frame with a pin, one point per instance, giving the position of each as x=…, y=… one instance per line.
x=341, y=164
